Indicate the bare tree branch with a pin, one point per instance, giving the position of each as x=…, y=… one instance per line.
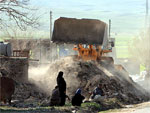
x=17, y=11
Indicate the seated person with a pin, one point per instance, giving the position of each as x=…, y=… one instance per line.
x=98, y=92
x=77, y=98
x=55, y=98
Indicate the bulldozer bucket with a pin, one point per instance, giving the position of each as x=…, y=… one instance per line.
x=79, y=31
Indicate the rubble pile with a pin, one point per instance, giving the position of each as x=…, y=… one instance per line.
x=15, y=68
x=27, y=95
x=26, y=90
x=79, y=74
x=87, y=75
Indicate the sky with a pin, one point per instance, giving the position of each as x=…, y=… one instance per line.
x=127, y=16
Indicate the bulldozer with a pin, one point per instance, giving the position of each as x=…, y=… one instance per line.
x=90, y=37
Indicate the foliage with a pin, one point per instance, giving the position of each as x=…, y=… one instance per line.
x=91, y=106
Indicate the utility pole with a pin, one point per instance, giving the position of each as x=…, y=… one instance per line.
x=50, y=37
x=146, y=16
x=50, y=25
x=109, y=28
x=40, y=52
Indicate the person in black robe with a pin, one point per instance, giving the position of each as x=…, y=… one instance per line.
x=62, y=88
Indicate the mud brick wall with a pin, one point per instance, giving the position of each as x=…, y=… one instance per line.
x=17, y=68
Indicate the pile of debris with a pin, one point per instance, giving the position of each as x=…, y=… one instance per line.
x=27, y=95
x=87, y=75
x=15, y=68
x=79, y=74
x=24, y=91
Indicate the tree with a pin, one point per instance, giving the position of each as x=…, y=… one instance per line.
x=18, y=12
x=140, y=50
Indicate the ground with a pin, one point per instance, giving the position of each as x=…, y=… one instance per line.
x=137, y=108
x=85, y=108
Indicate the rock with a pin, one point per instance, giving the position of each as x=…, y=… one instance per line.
x=3, y=72
x=45, y=102
x=27, y=103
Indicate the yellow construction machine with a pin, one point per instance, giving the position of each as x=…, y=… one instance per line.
x=90, y=37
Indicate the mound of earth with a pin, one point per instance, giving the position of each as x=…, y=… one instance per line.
x=117, y=84
x=24, y=91
x=87, y=75
x=27, y=95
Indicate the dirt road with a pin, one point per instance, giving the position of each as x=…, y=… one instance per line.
x=139, y=108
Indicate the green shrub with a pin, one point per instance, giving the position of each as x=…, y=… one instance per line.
x=91, y=106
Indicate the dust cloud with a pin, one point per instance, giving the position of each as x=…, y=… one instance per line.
x=40, y=76
x=140, y=50
x=45, y=75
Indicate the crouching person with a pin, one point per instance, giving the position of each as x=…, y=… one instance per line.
x=77, y=98
x=98, y=94
x=55, y=98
